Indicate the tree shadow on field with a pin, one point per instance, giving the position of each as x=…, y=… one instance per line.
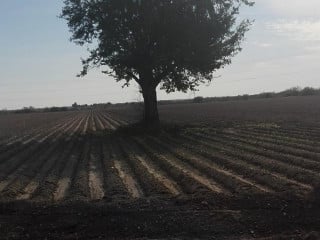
x=140, y=129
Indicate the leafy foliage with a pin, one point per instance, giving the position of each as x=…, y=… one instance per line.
x=198, y=99
x=178, y=43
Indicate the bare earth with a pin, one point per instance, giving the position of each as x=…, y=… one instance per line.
x=89, y=175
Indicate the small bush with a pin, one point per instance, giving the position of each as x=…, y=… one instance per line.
x=198, y=99
x=295, y=91
x=266, y=95
x=309, y=91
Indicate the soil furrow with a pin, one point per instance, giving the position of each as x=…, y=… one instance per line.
x=185, y=169
x=74, y=182
x=96, y=184
x=275, y=139
x=249, y=167
x=114, y=186
x=231, y=180
x=305, y=165
x=261, y=144
x=108, y=123
x=126, y=174
x=20, y=149
x=116, y=121
x=29, y=153
x=98, y=121
x=150, y=184
x=301, y=176
x=93, y=127
x=48, y=165
x=290, y=133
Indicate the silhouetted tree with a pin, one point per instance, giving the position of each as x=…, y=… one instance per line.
x=198, y=99
x=175, y=43
x=75, y=105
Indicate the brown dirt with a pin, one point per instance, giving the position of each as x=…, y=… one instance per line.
x=80, y=178
x=203, y=218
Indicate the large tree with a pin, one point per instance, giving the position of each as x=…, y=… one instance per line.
x=178, y=44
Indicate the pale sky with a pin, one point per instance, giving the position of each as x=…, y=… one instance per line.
x=38, y=64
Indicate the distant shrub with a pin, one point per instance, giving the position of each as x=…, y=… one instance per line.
x=266, y=95
x=4, y=111
x=26, y=110
x=198, y=99
x=291, y=92
x=297, y=91
x=309, y=91
x=245, y=97
x=58, y=109
x=75, y=105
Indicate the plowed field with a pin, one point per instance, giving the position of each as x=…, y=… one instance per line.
x=260, y=174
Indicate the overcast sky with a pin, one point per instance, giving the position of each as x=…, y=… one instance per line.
x=38, y=64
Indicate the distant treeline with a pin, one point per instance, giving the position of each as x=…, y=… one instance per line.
x=295, y=91
x=51, y=109
x=32, y=109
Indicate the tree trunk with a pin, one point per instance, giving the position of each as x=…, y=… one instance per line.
x=151, y=116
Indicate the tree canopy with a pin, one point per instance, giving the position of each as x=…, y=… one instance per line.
x=178, y=44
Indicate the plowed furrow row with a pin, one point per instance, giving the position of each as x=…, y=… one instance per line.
x=291, y=134
x=171, y=186
x=184, y=182
x=33, y=185
x=116, y=121
x=243, y=167
x=17, y=179
x=150, y=182
x=294, y=174
x=42, y=186
x=64, y=128
x=25, y=149
x=107, y=123
x=229, y=179
x=162, y=177
x=11, y=143
x=184, y=172
x=11, y=186
x=295, y=131
x=275, y=139
x=74, y=183
x=86, y=125
x=261, y=144
x=98, y=122
x=277, y=135
x=55, y=161
x=51, y=187
x=113, y=184
x=30, y=134
x=76, y=130
x=96, y=183
x=299, y=162
x=92, y=123
x=303, y=128
x=126, y=174
x=50, y=132
x=20, y=161
x=130, y=183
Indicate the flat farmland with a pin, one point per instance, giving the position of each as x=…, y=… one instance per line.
x=12, y=125
x=215, y=173
x=301, y=109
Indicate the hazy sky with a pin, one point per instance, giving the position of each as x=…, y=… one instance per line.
x=38, y=64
